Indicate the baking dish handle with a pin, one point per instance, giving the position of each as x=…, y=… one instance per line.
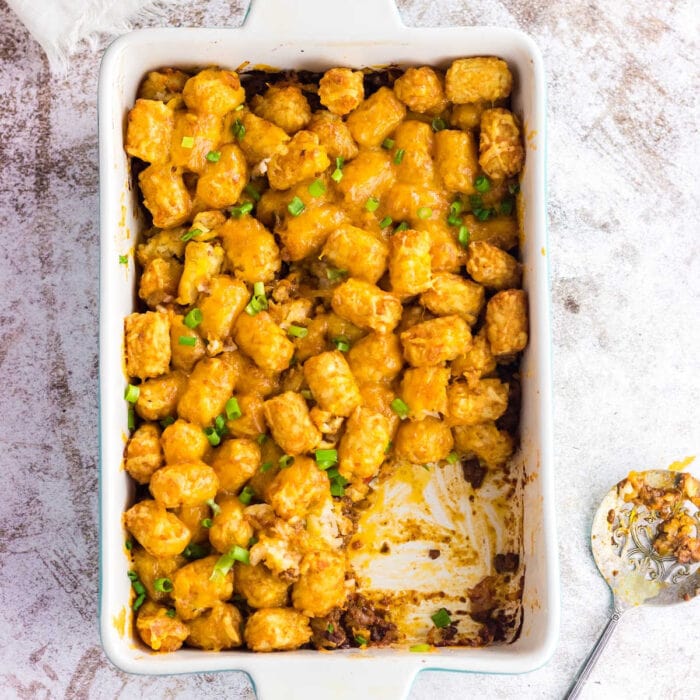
x=358, y=18
x=383, y=679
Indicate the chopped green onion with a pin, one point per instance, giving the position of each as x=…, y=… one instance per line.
x=456, y=207
x=454, y=220
x=463, y=236
x=123, y=259
x=187, y=141
x=238, y=129
x=251, y=191
x=239, y=108
x=265, y=467
x=388, y=144
x=425, y=212
x=259, y=289
x=452, y=458
x=340, y=162
x=240, y=210
x=506, y=206
x=475, y=201
x=337, y=175
x=385, y=222
x=296, y=206
x=285, y=461
x=129, y=545
x=131, y=418
x=225, y=561
x=240, y=554
x=317, y=188
x=187, y=340
x=330, y=628
x=220, y=424
x=139, y=602
x=168, y=420
x=215, y=507
x=213, y=437
x=332, y=472
x=258, y=301
x=189, y=235
x=372, y=204
x=441, y=618
x=325, y=459
x=426, y=467
x=400, y=407
x=420, y=647
x=403, y=226
x=338, y=484
x=163, y=585
x=214, y=156
x=306, y=393
x=337, y=490
x=334, y=274
x=398, y=156
x=193, y=318
x=261, y=439
x=233, y=410
x=438, y=124
x=131, y=393
x=132, y=575
x=253, y=540
x=342, y=343
x=482, y=184
x=297, y=331
x=246, y=495
x=388, y=447
x=514, y=188
x=195, y=551
x=482, y=214
x=360, y=640
x=139, y=589
x=206, y=522
x=170, y=612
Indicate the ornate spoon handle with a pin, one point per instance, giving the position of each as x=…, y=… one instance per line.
x=585, y=670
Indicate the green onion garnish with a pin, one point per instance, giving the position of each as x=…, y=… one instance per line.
x=240, y=210
x=452, y=457
x=398, y=156
x=317, y=188
x=441, y=618
x=139, y=602
x=337, y=490
x=123, y=259
x=482, y=184
x=261, y=439
x=239, y=108
x=506, y=206
x=463, y=236
x=258, y=301
x=342, y=343
x=215, y=507
x=131, y=418
x=131, y=393
x=514, y=188
x=388, y=447
x=213, y=437
x=259, y=289
x=240, y=554
x=285, y=461
x=265, y=467
x=338, y=484
x=360, y=640
x=129, y=545
x=388, y=144
x=253, y=540
x=233, y=410
x=296, y=206
x=330, y=628
x=170, y=612
x=251, y=191
x=168, y=420
x=139, y=589
x=425, y=212
x=187, y=340
x=453, y=220
x=214, y=156
x=438, y=124
x=195, y=551
x=456, y=207
x=297, y=331
x=220, y=425
x=238, y=129
x=206, y=522
x=420, y=647
x=385, y=222
x=372, y=204
x=334, y=274
x=340, y=162
x=187, y=141
x=400, y=407
x=325, y=459
x=337, y=175
x=246, y=495
x=225, y=561
x=403, y=226
x=482, y=214
x=163, y=585
x=189, y=235
x=193, y=318
x=306, y=393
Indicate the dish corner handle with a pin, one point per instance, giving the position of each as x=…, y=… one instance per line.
x=315, y=17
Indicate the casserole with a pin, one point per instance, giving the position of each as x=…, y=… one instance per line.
x=345, y=42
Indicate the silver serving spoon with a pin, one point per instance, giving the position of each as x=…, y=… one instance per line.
x=622, y=542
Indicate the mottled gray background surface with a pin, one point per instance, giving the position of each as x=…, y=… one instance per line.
x=624, y=245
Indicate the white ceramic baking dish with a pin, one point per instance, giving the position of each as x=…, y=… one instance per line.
x=317, y=34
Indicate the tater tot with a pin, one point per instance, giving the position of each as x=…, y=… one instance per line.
x=332, y=383
x=284, y=106
x=409, y=263
x=143, y=454
x=234, y=462
x=251, y=424
x=478, y=361
x=184, y=357
x=251, y=251
x=159, y=281
x=213, y=91
x=341, y=90
x=376, y=358
x=161, y=244
x=165, y=195
x=184, y=442
x=202, y=261
x=288, y=417
x=147, y=339
x=260, y=587
x=493, y=267
x=163, y=84
x=252, y=379
x=416, y=140
x=484, y=78
x=193, y=516
x=306, y=234
x=208, y=388
x=334, y=135
x=436, y=341
x=378, y=396
x=217, y=629
x=452, y=294
x=300, y=159
x=194, y=135
x=376, y=117
x=197, y=587
x=221, y=182
x=158, y=630
x=363, y=446
x=297, y=488
x=221, y=305
x=446, y=253
x=501, y=151
x=366, y=305
x=483, y=400
x=262, y=138
x=158, y=397
x=263, y=341
x=321, y=585
x=424, y=390
x=362, y=254
x=456, y=160
x=507, y=322
x=423, y=441
x=492, y=447
x=229, y=526
x=184, y=484
x=369, y=175
x=501, y=231
x=412, y=203
x=150, y=569
x=149, y=131
x=420, y=89
x=277, y=629
x=468, y=115
x=160, y=533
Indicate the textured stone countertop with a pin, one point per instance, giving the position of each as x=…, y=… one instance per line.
x=624, y=250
